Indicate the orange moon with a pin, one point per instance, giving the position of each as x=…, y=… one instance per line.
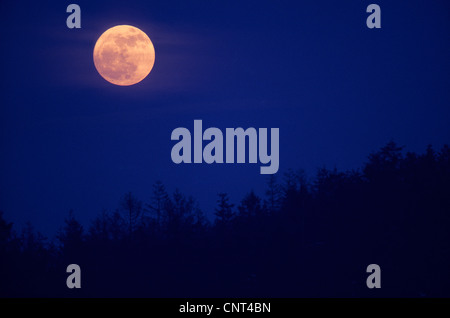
x=124, y=55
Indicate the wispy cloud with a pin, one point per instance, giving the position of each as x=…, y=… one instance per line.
x=181, y=55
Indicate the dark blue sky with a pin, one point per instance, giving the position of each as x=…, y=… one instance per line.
x=336, y=90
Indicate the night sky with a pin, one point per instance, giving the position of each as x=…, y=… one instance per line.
x=336, y=90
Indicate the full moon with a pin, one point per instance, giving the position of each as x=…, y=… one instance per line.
x=124, y=55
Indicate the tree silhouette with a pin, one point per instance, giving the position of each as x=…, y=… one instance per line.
x=108, y=226
x=71, y=237
x=5, y=231
x=32, y=241
x=384, y=163
x=158, y=201
x=182, y=215
x=306, y=238
x=250, y=206
x=273, y=194
x=224, y=212
x=132, y=209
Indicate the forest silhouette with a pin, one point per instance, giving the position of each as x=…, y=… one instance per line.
x=303, y=238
